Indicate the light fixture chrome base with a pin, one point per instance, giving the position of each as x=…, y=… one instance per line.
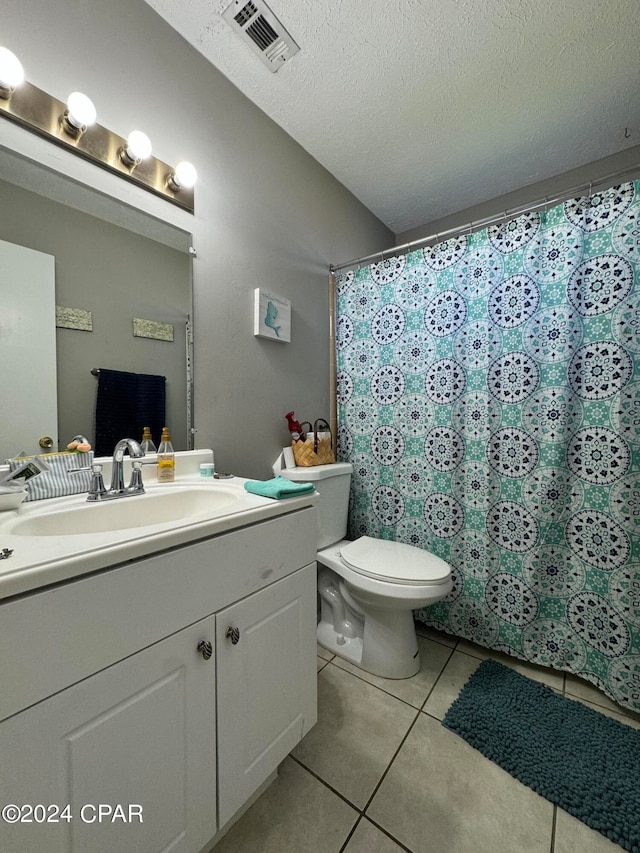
x=171, y=182
x=43, y=114
x=73, y=130
x=129, y=161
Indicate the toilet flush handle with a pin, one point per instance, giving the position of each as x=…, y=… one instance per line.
x=233, y=634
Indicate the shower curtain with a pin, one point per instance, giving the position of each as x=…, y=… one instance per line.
x=489, y=400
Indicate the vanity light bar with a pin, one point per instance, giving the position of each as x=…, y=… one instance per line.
x=39, y=112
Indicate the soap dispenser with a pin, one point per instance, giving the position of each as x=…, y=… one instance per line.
x=166, y=458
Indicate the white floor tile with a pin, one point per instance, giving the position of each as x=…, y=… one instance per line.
x=553, y=678
x=454, y=676
x=439, y=795
x=325, y=653
x=296, y=813
x=369, y=839
x=433, y=657
x=442, y=795
x=578, y=688
x=573, y=836
x=359, y=729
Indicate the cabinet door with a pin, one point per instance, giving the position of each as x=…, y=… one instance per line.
x=139, y=735
x=267, y=684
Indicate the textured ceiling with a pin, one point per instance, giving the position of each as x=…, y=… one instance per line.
x=425, y=107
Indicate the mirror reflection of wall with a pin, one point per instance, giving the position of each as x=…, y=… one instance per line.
x=117, y=276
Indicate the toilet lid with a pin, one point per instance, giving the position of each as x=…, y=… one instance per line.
x=394, y=561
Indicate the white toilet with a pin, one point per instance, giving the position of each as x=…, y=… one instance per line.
x=369, y=587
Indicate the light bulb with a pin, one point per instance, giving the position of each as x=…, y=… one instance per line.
x=138, y=146
x=185, y=175
x=11, y=71
x=80, y=110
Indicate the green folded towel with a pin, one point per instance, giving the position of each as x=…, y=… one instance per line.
x=278, y=488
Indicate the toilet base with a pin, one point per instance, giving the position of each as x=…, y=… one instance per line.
x=348, y=648
x=388, y=648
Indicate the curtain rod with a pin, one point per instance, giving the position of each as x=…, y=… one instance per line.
x=489, y=220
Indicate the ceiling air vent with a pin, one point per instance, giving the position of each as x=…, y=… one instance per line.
x=262, y=31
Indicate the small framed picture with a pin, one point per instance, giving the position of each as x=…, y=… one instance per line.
x=271, y=316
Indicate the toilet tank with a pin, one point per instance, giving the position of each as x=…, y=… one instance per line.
x=332, y=482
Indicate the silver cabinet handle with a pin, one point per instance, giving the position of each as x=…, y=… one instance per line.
x=233, y=634
x=205, y=648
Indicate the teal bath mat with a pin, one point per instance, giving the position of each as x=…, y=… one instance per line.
x=585, y=762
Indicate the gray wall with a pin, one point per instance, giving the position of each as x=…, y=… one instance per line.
x=267, y=214
x=116, y=275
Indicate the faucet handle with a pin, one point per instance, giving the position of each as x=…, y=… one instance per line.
x=97, y=488
x=95, y=468
x=135, y=484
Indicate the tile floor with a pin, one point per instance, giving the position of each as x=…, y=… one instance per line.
x=380, y=774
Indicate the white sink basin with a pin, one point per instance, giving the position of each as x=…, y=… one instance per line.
x=162, y=506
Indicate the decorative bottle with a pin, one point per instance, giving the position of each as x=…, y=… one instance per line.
x=166, y=458
x=147, y=442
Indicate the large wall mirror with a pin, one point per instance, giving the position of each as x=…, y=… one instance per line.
x=113, y=264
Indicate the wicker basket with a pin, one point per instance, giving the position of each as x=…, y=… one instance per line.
x=318, y=451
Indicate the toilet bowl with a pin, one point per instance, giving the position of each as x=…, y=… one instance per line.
x=368, y=587
x=377, y=585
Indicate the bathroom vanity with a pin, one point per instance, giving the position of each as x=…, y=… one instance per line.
x=153, y=677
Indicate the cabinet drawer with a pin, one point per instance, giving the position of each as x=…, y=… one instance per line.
x=54, y=638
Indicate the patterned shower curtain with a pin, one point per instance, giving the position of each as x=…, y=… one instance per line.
x=489, y=400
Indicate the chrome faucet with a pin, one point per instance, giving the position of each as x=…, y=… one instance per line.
x=97, y=491
x=81, y=439
x=117, y=474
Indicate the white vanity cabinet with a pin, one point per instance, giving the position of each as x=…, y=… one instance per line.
x=111, y=703
x=139, y=733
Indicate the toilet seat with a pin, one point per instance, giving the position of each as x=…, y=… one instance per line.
x=394, y=562
x=377, y=590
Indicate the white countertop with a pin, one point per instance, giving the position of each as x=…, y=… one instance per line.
x=39, y=561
